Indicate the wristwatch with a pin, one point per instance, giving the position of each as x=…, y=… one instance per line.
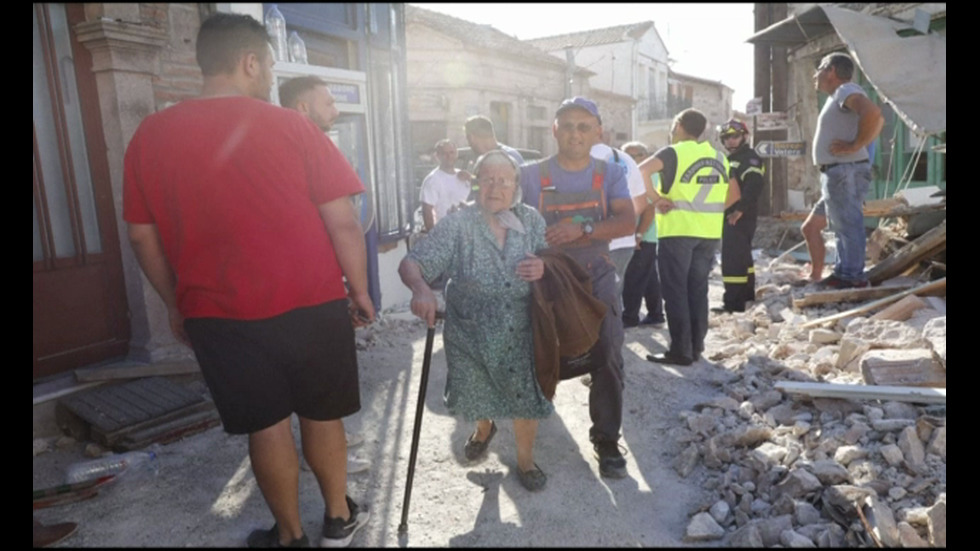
x=587, y=229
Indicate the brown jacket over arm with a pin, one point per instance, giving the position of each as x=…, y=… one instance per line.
x=565, y=317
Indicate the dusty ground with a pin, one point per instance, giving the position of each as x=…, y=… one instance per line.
x=205, y=495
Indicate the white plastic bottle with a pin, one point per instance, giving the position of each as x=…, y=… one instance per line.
x=113, y=464
x=275, y=25
x=297, y=48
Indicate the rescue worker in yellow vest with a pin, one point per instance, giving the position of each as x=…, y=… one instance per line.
x=694, y=191
x=737, y=267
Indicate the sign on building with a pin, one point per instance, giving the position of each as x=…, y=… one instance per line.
x=777, y=120
x=781, y=149
x=753, y=106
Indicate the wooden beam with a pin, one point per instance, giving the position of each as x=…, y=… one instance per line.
x=901, y=310
x=874, y=210
x=926, y=245
x=847, y=295
x=117, y=372
x=917, y=395
x=931, y=287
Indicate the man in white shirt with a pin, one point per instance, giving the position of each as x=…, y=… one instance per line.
x=621, y=248
x=442, y=192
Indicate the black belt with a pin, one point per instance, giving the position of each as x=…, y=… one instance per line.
x=825, y=168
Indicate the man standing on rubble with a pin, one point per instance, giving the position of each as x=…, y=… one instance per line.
x=240, y=216
x=848, y=122
x=737, y=267
x=586, y=202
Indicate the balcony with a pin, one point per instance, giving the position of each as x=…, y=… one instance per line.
x=653, y=109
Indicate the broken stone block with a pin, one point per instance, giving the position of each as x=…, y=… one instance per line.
x=766, y=400
x=829, y=472
x=771, y=528
x=884, y=333
x=833, y=537
x=839, y=502
x=805, y=513
x=896, y=493
x=747, y=536
x=851, y=350
x=823, y=336
x=937, y=445
x=703, y=528
x=902, y=368
x=797, y=484
x=900, y=410
x=744, y=328
x=909, y=537
x=856, y=433
x=911, y=446
x=685, y=462
x=892, y=425
x=882, y=521
x=845, y=454
x=782, y=506
x=865, y=473
x=924, y=428
x=934, y=333
x=702, y=423
x=752, y=435
x=892, y=454
x=790, y=538
x=937, y=522
x=760, y=507
x=769, y=453
x=719, y=511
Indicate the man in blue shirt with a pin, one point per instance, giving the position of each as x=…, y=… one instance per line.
x=586, y=202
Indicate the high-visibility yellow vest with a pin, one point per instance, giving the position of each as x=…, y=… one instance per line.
x=698, y=192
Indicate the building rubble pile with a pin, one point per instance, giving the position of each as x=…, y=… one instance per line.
x=799, y=471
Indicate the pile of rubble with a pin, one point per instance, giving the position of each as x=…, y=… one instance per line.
x=798, y=470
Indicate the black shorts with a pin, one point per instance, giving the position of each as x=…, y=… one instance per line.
x=261, y=371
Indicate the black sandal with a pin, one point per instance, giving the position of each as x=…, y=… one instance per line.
x=533, y=480
x=475, y=449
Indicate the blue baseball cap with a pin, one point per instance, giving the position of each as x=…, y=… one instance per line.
x=578, y=102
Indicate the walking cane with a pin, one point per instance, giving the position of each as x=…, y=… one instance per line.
x=419, y=407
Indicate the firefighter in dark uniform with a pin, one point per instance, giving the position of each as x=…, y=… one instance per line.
x=737, y=267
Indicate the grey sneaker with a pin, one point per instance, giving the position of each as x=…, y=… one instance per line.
x=612, y=464
x=338, y=532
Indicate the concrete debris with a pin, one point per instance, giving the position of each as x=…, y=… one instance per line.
x=937, y=522
x=909, y=536
x=703, y=528
x=911, y=446
x=934, y=333
x=823, y=336
x=796, y=471
x=790, y=538
x=720, y=511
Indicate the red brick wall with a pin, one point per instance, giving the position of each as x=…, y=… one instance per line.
x=178, y=75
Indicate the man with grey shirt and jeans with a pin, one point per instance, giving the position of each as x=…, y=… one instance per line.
x=848, y=122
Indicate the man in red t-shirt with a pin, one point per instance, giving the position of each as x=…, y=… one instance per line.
x=239, y=215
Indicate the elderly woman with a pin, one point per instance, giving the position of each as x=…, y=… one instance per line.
x=486, y=250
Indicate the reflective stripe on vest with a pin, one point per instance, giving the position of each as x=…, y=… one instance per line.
x=698, y=192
